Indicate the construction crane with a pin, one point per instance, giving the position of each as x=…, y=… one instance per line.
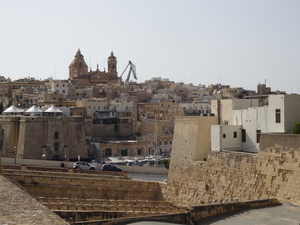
x=132, y=69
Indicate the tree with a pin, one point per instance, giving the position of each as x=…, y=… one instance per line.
x=296, y=128
x=166, y=162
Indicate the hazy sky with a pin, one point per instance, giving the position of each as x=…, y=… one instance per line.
x=235, y=42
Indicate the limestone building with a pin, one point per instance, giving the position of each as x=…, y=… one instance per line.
x=78, y=71
x=243, y=121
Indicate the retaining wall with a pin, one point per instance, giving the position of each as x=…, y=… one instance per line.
x=189, y=216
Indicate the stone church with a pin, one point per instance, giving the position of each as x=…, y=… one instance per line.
x=78, y=71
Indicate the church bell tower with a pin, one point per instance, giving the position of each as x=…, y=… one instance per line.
x=112, y=65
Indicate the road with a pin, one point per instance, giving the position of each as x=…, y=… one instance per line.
x=285, y=214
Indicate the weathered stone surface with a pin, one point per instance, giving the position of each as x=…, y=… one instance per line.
x=272, y=173
x=1, y=168
x=17, y=207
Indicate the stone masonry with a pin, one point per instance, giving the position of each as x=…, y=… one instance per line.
x=233, y=176
x=17, y=207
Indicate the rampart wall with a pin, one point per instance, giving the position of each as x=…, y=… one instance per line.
x=111, y=130
x=32, y=137
x=227, y=176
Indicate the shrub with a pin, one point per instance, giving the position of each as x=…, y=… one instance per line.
x=166, y=162
x=296, y=128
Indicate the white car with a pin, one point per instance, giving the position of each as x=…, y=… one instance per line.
x=82, y=165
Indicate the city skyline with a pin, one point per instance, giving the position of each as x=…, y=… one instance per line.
x=238, y=43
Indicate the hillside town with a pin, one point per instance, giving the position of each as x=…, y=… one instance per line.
x=98, y=114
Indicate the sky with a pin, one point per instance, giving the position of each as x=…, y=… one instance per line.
x=234, y=42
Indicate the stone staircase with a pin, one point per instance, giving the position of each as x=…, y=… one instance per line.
x=84, y=197
x=100, y=209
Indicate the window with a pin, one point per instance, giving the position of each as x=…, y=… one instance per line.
x=258, y=132
x=234, y=134
x=170, y=142
x=56, y=135
x=277, y=115
x=108, y=152
x=56, y=147
x=124, y=152
x=243, y=135
x=166, y=142
x=224, y=135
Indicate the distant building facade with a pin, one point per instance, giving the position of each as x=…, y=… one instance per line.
x=78, y=71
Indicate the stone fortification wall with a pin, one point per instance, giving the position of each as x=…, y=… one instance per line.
x=111, y=130
x=10, y=133
x=229, y=176
x=35, y=136
x=184, y=140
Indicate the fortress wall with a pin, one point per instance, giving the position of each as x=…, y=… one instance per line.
x=35, y=136
x=32, y=136
x=272, y=173
x=184, y=141
x=110, y=130
x=10, y=133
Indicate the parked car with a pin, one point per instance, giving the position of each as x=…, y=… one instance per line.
x=109, y=167
x=82, y=165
